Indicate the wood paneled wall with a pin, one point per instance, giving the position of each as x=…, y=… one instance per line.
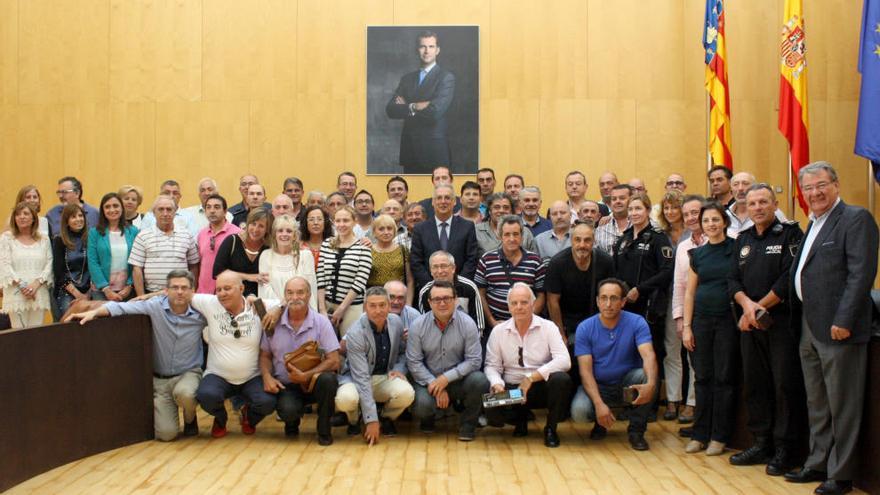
x=137, y=91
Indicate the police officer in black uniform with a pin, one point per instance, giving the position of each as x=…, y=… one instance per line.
x=643, y=258
x=774, y=383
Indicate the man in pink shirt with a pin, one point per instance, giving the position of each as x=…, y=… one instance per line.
x=210, y=238
x=690, y=210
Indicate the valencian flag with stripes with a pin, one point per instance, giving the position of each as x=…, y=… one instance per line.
x=793, y=117
x=716, y=84
x=868, y=132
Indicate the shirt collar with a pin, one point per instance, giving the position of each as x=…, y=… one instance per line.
x=448, y=221
x=814, y=218
x=429, y=68
x=306, y=324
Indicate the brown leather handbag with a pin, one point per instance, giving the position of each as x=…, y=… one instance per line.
x=306, y=357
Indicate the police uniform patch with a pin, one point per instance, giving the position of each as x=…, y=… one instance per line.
x=744, y=252
x=666, y=251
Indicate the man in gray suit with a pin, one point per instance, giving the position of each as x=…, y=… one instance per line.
x=832, y=276
x=375, y=369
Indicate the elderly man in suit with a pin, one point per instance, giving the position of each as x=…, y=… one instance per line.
x=445, y=232
x=832, y=277
x=421, y=100
x=375, y=369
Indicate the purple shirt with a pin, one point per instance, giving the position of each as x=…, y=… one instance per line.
x=208, y=253
x=285, y=339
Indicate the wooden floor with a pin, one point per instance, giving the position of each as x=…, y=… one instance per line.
x=409, y=463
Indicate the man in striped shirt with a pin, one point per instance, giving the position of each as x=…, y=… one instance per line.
x=498, y=270
x=159, y=249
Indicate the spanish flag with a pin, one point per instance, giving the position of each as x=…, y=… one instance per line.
x=793, y=118
x=716, y=84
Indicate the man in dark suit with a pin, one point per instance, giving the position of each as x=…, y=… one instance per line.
x=446, y=232
x=421, y=100
x=832, y=277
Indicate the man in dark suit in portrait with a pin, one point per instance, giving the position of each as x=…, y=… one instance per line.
x=421, y=100
x=443, y=232
x=832, y=277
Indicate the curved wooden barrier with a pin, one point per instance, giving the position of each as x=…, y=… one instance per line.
x=70, y=391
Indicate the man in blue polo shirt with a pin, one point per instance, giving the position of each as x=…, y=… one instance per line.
x=616, y=357
x=177, y=351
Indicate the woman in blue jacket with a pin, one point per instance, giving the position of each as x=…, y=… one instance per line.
x=108, y=249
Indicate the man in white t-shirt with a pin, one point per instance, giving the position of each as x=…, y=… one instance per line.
x=233, y=337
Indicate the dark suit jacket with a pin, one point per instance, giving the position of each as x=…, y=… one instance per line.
x=462, y=245
x=838, y=275
x=423, y=141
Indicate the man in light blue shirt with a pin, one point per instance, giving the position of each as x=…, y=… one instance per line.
x=177, y=351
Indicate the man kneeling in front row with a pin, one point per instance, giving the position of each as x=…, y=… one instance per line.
x=616, y=358
x=375, y=369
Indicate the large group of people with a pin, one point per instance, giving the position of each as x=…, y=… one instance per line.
x=425, y=306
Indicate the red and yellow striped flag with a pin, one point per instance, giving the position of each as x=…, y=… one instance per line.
x=716, y=84
x=794, y=122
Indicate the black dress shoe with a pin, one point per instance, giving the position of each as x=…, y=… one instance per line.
x=781, y=463
x=756, y=454
x=353, y=430
x=521, y=429
x=339, y=419
x=291, y=429
x=426, y=425
x=805, y=475
x=325, y=440
x=551, y=439
x=386, y=426
x=598, y=432
x=191, y=429
x=834, y=487
x=637, y=441
x=686, y=432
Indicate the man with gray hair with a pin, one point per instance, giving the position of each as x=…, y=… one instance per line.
x=498, y=270
x=183, y=219
x=557, y=238
x=500, y=204
x=530, y=203
x=282, y=205
x=443, y=268
x=159, y=249
x=833, y=273
x=446, y=232
x=374, y=370
x=738, y=211
x=397, y=299
x=177, y=351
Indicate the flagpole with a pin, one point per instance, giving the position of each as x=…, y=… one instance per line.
x=708, y=150
x=792, y=191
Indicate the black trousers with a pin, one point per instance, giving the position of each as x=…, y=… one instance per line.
x=292, y=401
x=716, y=363
x=774, y=386
x=553, y=394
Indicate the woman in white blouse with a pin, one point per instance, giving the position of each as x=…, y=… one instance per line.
x=285, y=259
x=25, y=268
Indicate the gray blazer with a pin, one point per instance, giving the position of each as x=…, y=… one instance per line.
x=838, y=275
x=361, y=359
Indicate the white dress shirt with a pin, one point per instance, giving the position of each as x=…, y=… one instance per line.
x=543, y=351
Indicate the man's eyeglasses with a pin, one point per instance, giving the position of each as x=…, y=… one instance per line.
x=442, y=299
x=64, y=191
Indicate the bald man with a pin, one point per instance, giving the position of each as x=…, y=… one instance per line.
x=738, y=211
x=558, y=238
x=282, y=205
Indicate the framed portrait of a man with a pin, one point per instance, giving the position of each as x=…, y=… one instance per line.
x=422, y=99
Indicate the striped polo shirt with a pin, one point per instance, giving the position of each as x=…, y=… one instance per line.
x=159, y=253
x=497, y=275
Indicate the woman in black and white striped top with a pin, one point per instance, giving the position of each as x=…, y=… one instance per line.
x=344, y=266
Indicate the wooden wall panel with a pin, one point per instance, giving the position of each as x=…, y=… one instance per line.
x=63, y=51
x=8, y=51
x=141, y=90
x=155, y=50
x=250, y=50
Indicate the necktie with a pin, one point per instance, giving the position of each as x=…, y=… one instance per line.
x=444, y=236
x=422, y=75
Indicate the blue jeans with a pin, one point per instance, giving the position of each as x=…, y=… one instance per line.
x=584, y=411
x=214, y=390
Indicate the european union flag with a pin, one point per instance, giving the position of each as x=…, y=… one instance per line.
x=868, y=132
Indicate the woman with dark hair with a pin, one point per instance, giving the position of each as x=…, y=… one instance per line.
x=314, y=230
x=70, y=263
x=25, y=268
x=108, y=250
x=240, y=252
x=710, y=333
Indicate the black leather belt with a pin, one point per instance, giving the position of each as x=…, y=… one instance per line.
x=164, y=377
